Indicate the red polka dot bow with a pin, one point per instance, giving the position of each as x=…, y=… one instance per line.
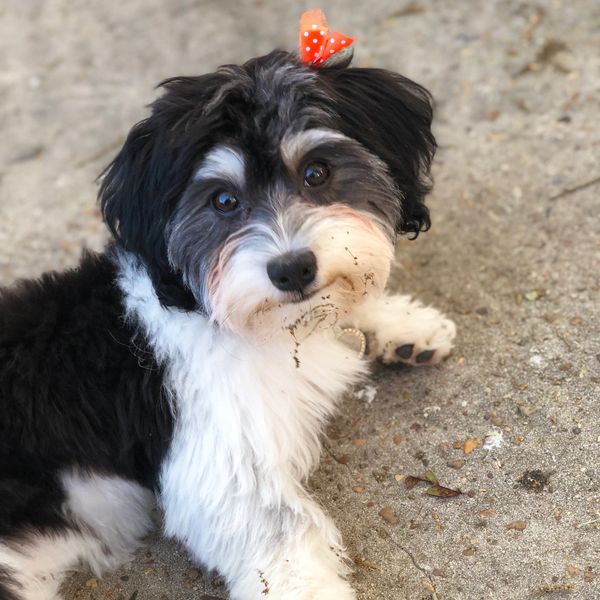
x=317, y=43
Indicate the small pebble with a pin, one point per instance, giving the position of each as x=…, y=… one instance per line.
x=527, y=409
x=537, y=361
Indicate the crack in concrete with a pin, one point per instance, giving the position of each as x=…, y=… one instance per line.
x=417, y=566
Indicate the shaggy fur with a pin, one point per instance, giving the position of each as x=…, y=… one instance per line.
x=199, y=358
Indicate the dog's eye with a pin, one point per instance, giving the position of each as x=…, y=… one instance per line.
x=225, y=202
x=316, y=174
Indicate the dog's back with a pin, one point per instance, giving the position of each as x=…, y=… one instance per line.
x=52, y=331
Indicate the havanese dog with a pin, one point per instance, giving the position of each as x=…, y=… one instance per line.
x=198, y=359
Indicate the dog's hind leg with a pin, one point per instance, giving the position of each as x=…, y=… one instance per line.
x=103, y=519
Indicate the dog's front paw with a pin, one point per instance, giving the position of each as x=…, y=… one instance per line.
x=408, y=332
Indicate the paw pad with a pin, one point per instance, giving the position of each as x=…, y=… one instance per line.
x=424, y=356
x=405, y=351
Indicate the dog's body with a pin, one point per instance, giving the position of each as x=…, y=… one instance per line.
x=200, y=357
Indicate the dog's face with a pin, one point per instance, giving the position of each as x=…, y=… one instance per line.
x=265, y=192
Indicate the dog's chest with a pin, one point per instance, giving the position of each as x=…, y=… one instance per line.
x=236, y=401
x=248, y=417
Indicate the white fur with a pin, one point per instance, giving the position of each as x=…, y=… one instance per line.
x=111, y=514
x=251, y=387
x=296, y=144
x=395, y=321
x=115, y=510
x=222, y=161
x=353, y=253
x=248, y=423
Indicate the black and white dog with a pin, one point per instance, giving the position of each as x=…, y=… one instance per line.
x=199, y=358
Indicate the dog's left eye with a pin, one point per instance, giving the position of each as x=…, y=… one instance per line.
x=225, y=202
x=316, y=174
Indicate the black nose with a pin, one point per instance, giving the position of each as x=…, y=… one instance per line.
x=293, y=271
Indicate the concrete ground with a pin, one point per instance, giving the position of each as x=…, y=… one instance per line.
x=512, y=418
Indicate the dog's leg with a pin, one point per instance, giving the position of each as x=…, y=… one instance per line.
x=403, y=330
x=303, y=561
x=100, y=522
x=273, y=542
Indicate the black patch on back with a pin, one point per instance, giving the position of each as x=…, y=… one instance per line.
x=79, y=388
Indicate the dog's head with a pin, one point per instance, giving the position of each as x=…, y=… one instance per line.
x=262, y=191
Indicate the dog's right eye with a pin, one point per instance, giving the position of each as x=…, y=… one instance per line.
x=224, y=202
x=316, y=174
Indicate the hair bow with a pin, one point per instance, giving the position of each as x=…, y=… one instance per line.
x=317, y=43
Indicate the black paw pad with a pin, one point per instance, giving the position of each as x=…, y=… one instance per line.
x=424, y=356
x=405, y=351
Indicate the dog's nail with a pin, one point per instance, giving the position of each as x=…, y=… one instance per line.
x=424, y=356
x=405, y=351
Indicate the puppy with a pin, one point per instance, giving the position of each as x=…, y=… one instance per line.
x=198, y=359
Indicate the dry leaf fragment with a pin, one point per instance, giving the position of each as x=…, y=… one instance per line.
x=359, y=561
x=558, y=588
x=410, y=481
x=439, y=491
x=387, y=514
x=471, y=444
x=498, y=421
x=573, y=571
x=431, y=477
x=343, y=460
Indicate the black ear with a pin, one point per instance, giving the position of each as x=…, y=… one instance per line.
x=141, y=186
x=391, y=116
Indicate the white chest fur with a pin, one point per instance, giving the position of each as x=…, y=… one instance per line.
x=248, y=420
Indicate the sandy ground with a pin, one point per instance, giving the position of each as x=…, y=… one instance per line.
x=513, y=257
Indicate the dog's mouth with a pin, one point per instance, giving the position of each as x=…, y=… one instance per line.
x=322, y=293
x=299, y=297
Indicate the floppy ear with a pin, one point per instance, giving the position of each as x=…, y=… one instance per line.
x=391, y=116
x=141, y=186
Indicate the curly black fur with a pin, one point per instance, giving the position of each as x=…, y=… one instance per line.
x=77, y=389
